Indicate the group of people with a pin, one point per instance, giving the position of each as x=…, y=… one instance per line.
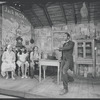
x=21, y=58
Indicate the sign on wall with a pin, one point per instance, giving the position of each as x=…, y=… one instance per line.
x=14, y=24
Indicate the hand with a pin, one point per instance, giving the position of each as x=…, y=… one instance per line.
x=60, y=48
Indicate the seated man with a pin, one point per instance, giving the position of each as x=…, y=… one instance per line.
x=8, y=64
x=34, y=59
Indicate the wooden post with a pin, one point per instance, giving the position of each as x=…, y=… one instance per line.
x=95, y=54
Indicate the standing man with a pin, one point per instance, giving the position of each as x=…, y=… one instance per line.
x=67, y=62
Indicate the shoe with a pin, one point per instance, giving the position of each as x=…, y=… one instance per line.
x=13, y=78
x=25, y=76
x=6, y=77
x=22, y=77
x=64, y=91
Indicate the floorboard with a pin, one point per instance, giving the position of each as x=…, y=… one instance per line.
x=48, y=88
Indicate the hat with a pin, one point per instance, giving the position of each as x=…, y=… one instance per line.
x=19, y=38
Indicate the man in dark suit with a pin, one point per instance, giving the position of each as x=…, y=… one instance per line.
x=67, y=62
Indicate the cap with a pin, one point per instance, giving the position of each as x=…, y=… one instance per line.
x=19, y=38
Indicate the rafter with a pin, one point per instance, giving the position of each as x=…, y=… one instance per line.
x=46, y=14
x=27, y=16
x=36, y=17
x=63, y=11
x=75, y=18
x=50, y=3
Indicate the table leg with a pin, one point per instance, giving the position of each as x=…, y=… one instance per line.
x=39, y=73
x=44, y=73
x=18, y=71
x=58, y=76
x=44, y=70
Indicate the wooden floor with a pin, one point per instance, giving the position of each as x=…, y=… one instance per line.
x=48, y=88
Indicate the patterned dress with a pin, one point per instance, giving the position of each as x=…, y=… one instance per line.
x=22, y=59
x=8, y=62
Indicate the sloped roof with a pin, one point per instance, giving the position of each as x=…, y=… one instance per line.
x=43, y=13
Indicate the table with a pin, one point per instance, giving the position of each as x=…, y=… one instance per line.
x=44, y=62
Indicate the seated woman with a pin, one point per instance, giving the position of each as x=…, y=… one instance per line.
x=22, y=61
x=34, y=58
x=8, y=62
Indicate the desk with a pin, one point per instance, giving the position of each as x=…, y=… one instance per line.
x=44, y=62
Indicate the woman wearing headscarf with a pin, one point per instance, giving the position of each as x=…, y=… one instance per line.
x=8, y=62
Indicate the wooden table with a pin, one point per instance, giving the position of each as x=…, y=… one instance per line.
x=55, y=63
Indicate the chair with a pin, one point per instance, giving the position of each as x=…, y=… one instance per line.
x=33, y=72
x=18, y=71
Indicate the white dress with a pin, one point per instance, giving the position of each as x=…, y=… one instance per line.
x=8, y=62
x=22, y=58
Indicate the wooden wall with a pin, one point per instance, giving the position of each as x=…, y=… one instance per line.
x=48, y=39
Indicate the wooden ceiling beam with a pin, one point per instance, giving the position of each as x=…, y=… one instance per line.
x=63, y=11
x=46, y=14
x=29, y=18
x=36, y=17
x=50, y=3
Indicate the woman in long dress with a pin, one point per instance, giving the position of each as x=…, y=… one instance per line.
x=8, y=62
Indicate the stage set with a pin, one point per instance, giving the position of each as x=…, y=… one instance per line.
x=38, y=34
x=49, y=87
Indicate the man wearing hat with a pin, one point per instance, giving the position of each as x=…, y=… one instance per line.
x=19, y=42
x=19, y=46
x=67, y=62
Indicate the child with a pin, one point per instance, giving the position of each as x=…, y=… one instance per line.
x=34, y=58
x=22, y=61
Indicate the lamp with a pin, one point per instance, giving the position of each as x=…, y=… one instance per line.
x=31, y=41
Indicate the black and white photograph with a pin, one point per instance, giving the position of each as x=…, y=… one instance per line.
x=50, y=49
